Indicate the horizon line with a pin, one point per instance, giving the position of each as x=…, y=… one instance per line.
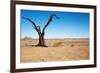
x=59, y=38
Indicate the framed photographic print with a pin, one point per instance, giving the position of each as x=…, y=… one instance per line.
x=51, y=36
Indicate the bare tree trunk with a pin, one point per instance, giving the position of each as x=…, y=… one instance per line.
x=41, y=41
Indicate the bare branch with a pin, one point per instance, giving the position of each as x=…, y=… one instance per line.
x=50, y=19
x=35, y=27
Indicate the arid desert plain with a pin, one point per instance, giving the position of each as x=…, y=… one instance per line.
x=66, y=49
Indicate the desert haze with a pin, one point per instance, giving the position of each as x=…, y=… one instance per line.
x=66, y=49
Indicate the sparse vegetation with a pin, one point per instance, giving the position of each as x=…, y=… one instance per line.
x=72, y=45
x=57, y=44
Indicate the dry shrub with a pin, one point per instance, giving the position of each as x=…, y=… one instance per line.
x=72, y=45
x=57, y=44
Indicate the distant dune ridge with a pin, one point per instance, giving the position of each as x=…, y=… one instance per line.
x=58, y=50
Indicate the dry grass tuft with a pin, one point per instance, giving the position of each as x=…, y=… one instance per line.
x=57, y=44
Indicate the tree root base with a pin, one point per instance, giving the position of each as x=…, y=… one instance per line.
x=38, y=45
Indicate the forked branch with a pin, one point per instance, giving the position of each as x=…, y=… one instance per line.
x=50, y=19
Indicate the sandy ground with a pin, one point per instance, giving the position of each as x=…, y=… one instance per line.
x=57, y=50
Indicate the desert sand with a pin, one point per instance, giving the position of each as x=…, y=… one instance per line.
x=58, y=50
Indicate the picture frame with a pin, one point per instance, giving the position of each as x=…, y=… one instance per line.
x=17, y=6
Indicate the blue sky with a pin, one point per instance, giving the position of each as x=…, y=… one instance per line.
x=70, y=24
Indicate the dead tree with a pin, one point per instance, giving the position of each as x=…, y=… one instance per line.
x=40, y=32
